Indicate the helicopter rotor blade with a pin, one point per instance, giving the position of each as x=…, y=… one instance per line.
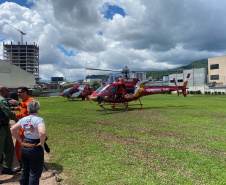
x=102, y=70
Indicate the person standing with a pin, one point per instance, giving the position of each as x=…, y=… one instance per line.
x=121, y=92
x=24, y=95
x=32, y=146
x=6, y=142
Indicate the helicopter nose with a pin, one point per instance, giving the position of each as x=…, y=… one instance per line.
x=94, y=98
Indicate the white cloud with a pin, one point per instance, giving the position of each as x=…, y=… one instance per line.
x=153, y=35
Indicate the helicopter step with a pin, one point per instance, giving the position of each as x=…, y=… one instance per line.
x=118, y=105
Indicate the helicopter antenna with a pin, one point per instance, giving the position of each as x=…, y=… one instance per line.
x=22, y=33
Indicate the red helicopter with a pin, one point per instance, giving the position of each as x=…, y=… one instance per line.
x=78, y=91
x=118, y=94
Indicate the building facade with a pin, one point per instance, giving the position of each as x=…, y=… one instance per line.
x=138, y=74
x=90, y=81
x=12, y=76
x=24, y=56
x=217, y=71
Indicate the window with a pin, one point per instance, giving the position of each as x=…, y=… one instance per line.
x=113, y=89
x=180, y=80
x=214, y=66
x=73, y=91
x=172, y=81
x=129, y=89
x=214, y=77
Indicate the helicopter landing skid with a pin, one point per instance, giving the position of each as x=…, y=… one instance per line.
x=115, y=106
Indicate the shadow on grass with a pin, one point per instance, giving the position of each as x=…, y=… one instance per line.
x=171, y=107
x=114, y=111
x=53, y=167
x=75, y=100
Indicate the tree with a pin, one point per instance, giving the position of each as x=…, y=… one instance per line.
x=96, y=84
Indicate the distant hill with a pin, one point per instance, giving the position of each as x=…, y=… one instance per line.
x=159, y=74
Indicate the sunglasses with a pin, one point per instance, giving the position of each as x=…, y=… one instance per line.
x=20, y=92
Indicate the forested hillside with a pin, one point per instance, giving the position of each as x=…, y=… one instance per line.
x=159, y=74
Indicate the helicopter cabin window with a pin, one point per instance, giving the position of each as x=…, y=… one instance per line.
x=106, y=90
x=130, y=89
x=66, y=90
x=101, y=88
x=113, y=89
x=74, y=90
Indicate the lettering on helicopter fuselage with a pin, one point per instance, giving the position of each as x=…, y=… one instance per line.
x=128, y=80
x=157, y=90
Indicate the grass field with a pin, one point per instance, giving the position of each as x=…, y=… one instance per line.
x=173, y=140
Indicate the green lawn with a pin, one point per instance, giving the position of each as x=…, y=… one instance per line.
x=173, y=140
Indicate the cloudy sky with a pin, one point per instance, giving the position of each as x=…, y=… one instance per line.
x=143, y=34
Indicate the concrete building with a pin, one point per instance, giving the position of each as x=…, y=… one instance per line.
x=13, y=76
x=90, y=81
x=196, y=82
x=217, y=71
x=24, y=56
x=138, y=74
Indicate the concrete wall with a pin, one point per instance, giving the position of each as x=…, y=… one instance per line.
x=13, y=76
x=197, y=80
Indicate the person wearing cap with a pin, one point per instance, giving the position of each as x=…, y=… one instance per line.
x=6, y=142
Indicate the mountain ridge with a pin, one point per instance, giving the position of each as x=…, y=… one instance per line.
x=203, y=63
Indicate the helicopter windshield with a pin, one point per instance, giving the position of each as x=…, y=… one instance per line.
x=100, y=89
x=66, y=90
x=104, y=89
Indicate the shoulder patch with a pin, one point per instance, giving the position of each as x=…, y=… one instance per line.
x=4, y=102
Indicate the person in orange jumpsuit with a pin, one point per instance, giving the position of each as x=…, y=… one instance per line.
x=121, y=92
x=24, y=95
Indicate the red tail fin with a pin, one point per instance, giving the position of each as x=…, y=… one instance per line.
x=186, y=80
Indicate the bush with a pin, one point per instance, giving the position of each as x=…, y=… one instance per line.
x=219, y=93
x=95, y=85
x=198, y=92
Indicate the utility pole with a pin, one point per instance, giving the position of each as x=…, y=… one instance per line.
x=22, y=33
